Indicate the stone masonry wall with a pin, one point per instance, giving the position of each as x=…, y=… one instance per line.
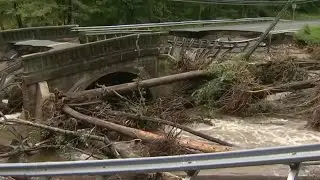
x=63, y=68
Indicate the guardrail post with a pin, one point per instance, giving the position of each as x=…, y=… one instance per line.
x=269, y=42
x=191, y=175
x=294, y=171
x=45, y=178
x=102, y=177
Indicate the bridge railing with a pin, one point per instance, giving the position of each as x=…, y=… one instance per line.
x=96, y=33
x=170, y=24
x=46, y=32
x=86, y=54
x=293, y=156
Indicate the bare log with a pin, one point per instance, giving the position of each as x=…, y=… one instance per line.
x=112, y=148
x=86, y=103
x=292, y=86
x=127, y=151
x=161, y=121
x=143, y=135
x=123, y=88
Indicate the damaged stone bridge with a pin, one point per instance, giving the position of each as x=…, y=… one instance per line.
x=109, y=62
x=45, y=33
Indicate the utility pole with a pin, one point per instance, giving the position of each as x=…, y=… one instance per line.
x=250, y=51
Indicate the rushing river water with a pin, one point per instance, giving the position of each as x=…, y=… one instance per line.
x=247, y=133
x=261, y=132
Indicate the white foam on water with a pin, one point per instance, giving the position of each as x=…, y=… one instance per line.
x=12, y=116
x=249, y=134
x=259, y=133
x=6, y=101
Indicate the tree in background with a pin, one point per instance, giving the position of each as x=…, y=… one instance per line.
x=25, y=13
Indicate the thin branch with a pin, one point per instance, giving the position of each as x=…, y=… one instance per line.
x=85, y=103
x=67, y=132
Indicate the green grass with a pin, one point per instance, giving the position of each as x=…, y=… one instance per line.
x=309, y=16
x=309, y=35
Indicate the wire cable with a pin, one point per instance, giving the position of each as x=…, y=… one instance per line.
x=246, y=2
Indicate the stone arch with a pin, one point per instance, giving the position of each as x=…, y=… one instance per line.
x=109, y=77
x=115, y=78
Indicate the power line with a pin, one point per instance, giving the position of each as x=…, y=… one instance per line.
x=246, y=2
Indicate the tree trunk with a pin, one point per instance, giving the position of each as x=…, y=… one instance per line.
x=288, y=87
x=70, y=10
x=1, y=25
x=294, y=86
x=18, y=17
x=161, y=121
x=143, y=135
x=200, y=11
x=123, y=88
x=150, y=10
x=127, y=151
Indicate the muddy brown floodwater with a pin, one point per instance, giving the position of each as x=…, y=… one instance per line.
x=259, y=132
x=247, y=133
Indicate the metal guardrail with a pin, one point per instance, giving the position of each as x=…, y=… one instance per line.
x=97, y=33
x=292, y=156
x=168, y=24
x=45, y=32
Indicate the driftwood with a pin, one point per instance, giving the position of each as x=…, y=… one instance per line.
x=161, y=121
x=292, y=86
x=125, y=153
x=110, y=148
x=123, y=88
x=143, y=135
x=66, y=132
x=127, y=87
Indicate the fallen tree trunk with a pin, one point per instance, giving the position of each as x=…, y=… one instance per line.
x=292, y=86
x=123, y=88
x=161, y=121
x=143, y=135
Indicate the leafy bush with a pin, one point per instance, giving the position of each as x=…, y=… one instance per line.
x=309, y=35
x=227, y=75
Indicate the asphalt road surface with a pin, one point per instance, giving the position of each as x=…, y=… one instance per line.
x=258, y=27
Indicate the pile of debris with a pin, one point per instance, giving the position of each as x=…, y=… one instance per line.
x=112, y=124
x=105, y=127
x=121, y=122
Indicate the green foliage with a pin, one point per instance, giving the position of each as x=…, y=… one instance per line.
x=44, y=15
x=309, y=35
x=228, y=74
x=107, y=12
x=211, y=92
